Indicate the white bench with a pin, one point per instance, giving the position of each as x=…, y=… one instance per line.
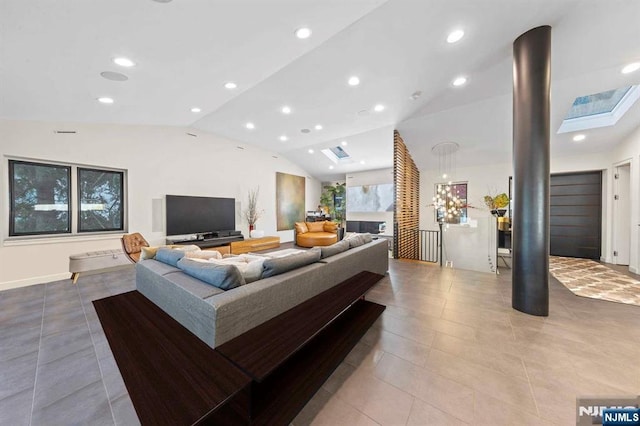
x=92, y=260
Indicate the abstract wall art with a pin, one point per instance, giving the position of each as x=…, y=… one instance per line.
x=290, y=200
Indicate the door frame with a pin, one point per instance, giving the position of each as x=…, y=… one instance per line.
x=614, y=210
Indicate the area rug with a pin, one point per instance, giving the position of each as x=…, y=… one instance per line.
x=587, y=278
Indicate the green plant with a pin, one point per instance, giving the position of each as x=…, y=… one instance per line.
x=333, y=197
x=500, y=201
x=326, y=200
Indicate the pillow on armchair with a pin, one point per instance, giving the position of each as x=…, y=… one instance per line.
x=330, y=227
x=315, y=226
x=301, y=228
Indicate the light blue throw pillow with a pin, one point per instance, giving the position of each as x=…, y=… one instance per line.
x=169, y=256
x=280, y=265
x=225, y=277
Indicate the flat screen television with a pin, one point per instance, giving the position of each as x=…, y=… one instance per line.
x=196, y=215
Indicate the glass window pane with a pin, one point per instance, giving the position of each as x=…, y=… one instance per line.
x=39, y=198
x=100, y=200
x=450, y=203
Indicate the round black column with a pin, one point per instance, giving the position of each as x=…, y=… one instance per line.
x=530, y=231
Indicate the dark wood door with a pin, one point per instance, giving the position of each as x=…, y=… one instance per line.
x=576, y=214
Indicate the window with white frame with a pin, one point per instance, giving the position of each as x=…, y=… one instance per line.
x=52, y=198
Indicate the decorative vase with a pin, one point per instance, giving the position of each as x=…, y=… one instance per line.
x=251, y=228
x=256, y=234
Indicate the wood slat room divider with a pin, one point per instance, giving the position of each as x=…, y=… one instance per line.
x=406, y=215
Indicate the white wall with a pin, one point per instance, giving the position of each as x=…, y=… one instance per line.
x=481, y=181
x=160, y=160
x=493, y=179
x=629, y=151
x=372, y=177
x=468, y=247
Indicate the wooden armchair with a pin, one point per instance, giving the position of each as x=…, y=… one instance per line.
x=132, y=245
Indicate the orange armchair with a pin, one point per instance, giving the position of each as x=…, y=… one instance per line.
x=310, y=234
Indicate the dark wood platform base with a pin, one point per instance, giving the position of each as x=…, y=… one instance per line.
x=292, y=354
x=279, y=399
x=263, y=377
x=173, y=378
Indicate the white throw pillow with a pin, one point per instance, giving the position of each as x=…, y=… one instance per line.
x=252, y=271
x=187, y=248
x=250, y=266
x=203, y=254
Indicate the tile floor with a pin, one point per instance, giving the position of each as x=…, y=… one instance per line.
x=448, y=350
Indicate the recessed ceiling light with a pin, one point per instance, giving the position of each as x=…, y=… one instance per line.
x=286, y=110
x=305, y=131
x=104, y=100
x=455, y=36
x=124, y=62
x=318, y=127
x=344, y=143
x=362, y=162
x=378, y=108
x=230, y=85
x=330, y=167
x=415, y=95
x=284, y=138
x=631, y=68
x=459, y=81
x=578, y=138
x=311, y=151
x=303, y=33
x=353, y=80
x=250, y=126
x=195, y=109
x=114, y=76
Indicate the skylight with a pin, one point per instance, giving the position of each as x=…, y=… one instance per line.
x=599, y=109
x=336, y=154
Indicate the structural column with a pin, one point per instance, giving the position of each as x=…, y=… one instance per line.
x=530, y=232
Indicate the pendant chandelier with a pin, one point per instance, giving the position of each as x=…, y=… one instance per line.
x=446, y=203
x=446, y=152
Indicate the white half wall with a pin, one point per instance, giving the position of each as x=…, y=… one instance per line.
x=160, y=160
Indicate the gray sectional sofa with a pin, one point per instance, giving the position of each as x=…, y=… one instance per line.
x=216, y=316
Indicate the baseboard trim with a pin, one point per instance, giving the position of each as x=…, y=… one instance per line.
x=633, y=270
x=7, y=285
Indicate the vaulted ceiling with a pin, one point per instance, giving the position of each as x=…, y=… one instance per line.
x=52, y=55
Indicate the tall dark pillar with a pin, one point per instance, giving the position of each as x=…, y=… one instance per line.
x=531, y=87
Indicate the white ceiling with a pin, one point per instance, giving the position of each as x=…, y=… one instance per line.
x=52, y=54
